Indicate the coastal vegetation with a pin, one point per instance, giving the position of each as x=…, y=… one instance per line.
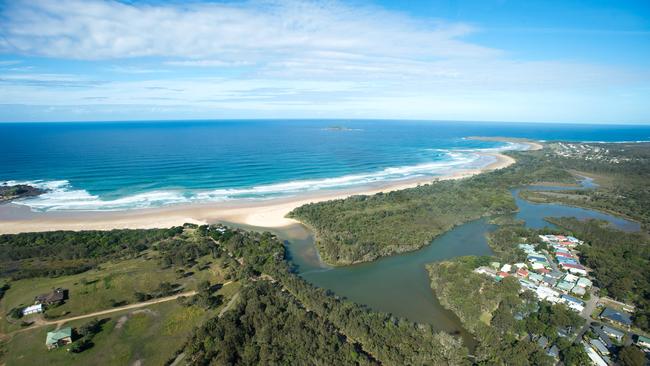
x=271, y=306
x=363, y=228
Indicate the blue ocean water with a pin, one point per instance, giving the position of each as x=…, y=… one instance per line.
x=113, y=166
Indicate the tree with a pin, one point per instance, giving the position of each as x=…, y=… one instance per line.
x=575, y=355
x=631, y=356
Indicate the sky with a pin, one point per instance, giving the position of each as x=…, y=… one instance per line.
x=480, y=60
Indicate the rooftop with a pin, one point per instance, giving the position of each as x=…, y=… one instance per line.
x=55, y=336
x=616, y=316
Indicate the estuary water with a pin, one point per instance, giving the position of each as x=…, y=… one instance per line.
x=400, y=285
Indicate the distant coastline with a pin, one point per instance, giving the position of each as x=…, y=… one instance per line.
x=261, y=213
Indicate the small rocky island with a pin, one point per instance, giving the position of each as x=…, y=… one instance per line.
x=13, y=192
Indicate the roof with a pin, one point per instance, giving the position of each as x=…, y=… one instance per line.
x=542, y=342
x=643, y=339
x=574, y=266
x=579, y=290
x=54, y=296
x=55, y=336
x=33, y=308
x=564, y=285
x=563, y=254
x=536, y=258
x=584, y=282
x=600, y=346
x=603, y=336
x=535, y=277
x=614, y=331
x=616, y=316
x=572, y=299
x=553, y=351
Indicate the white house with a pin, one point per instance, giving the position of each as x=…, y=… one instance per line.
x=34, y=309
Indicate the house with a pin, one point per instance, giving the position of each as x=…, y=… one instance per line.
x=549, y=281
x=584, y=282
x=543, y=271
x=613, y=333
x=562, y=260
x=594, y=356
x=564, y=286
x=542, y=342
x=599, y=346
x=34, y=309
x=546, y=293
x=643, y=342
x=571, y=278
x=563, y=254
x=537, y=266
x=556, y=274
x=574, y=268
x=616, y=317
x=580, y=291
x=560, y=249
x=57, y=296
x=521, y=265
x=536, y=258
x=602, y=336
x=58, y=338
x=527, y=284
x=553, y=352
x=573, y=303
x=521, y=272
x=503, y=274
x=486, y=271
x=535, y=277
x=506, y=268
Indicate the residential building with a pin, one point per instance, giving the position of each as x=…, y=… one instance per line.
x=57, y=296
x=613, y=333
x=584, y=282
x=599, y=346
x=34, y=309
x=617, y=317
x=58, y=338
x=643, y=342
x=594, y=356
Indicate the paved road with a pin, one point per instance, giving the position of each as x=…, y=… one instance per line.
x=590, y=306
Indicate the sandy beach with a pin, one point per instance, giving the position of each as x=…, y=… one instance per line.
x=268, y=213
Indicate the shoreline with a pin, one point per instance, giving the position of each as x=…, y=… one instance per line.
x=263, y=214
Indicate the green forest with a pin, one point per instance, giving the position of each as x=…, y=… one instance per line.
x=364, y=228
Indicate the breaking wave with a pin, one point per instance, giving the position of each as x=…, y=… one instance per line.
x=61, y=195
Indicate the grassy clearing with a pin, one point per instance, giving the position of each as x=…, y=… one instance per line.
x=112, y=283
x=151, y=335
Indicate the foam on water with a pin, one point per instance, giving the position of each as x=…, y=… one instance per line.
x=63, y=196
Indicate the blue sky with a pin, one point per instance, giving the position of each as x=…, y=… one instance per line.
x=493, y=60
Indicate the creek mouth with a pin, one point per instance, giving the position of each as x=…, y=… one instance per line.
x=399, y=284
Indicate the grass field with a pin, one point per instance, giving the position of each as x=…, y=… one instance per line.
x=102, y=288
x=149, y=335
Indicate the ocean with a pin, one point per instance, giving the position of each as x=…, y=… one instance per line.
x=125, y=165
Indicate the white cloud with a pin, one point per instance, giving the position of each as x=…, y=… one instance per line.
x=252, y=31
x=284, y=58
